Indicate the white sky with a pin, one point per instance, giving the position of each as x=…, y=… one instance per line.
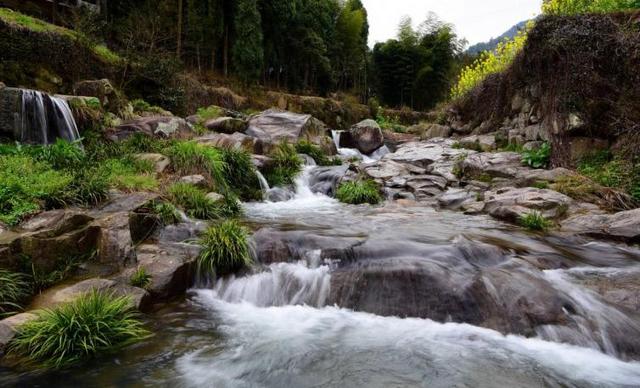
x=475, y=20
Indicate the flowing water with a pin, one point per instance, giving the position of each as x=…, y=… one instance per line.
x=396, y=295
x=45, y=118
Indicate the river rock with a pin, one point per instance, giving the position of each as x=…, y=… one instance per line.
x=496, y=165
x=160, y=162
x=8, y=327
x=433, y=130
x=65, y=294
x=237, y=141
x=325, y=180
x=366, y=136
x=227, y=125
x=423, y=154
x=157, y=126
x=511, y=203
x=455, y=199
x=215, y=197
x=274, y=126
x=485, y=143
x=195, y=180
x=619, y=226
x=171, y=267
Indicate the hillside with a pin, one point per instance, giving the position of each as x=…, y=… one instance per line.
x=492, y=43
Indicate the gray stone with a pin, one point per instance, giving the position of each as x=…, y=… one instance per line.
x=366, y=136
x=455, y=199
x=227, y=125
x=236, y=141
x=215, y=197
x=512, y=203
x=423, y=154
x=274, y=126
x=196, y=180
x=499, y=164
x=485, y=142
x=8, y=327
x=619, y=226
x=157, y=126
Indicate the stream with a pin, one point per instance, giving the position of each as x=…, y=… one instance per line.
x=396, y=295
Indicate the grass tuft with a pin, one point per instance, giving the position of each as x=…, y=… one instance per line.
x=189, y=157
x=240, y=174
x=140, y=279
x=359, y=192
x=286, y=165
x=14, y=289
x=225, y=249
x=538, y=158
x=535, y=221
x=195, y=203
x=93, y=324
x=167, y=212
x=308, y=148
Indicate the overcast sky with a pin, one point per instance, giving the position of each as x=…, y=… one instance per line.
x=475, y=20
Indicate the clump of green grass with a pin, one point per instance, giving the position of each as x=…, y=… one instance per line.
x=539, y=158
x=209, y=113
x=62, y=155
x=225, y=249
x=359, y=192
x=541, y=185
x=94, y=324
x=195, y=203
x=189, y=157
x=14, y=289
x=308, y=148
x=142, y=143
x=286, y=165
x=129, y=174
x=89, y=187
x=240, y=174
x=535, y=221
x=27, y=186
x=167, y=212
x=140, y=278
x=141, y=106
x=390, y=123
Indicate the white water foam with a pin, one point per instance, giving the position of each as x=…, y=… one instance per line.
x=301, y=346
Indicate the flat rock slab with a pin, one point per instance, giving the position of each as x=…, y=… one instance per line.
x=511, y=203
x=499, y=164
x=623, y=226
x=423, y=154
x=235, y=141
x=65, y=294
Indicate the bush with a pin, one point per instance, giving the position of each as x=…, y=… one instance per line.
x=209, y=113
x=535, y=221
x=142, y=143
x=225, y=249
x=612, y=172
x=308, y=148
x=189, y=157
x=27, y=185
x=572, y=7
x=141, y=106
x=390, y=123
x=286, y=165
x=140, y=278
x=14, y=289
x=195, y=202
x=93, y=324
x=62, y=155
x=490, y=62
x=240, y=174
x=539, y=158
x=359, y=192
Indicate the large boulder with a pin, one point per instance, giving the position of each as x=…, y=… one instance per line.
x=366, y=136
x=512, y=203
x=8, y=327
x=495, y=165
x=159, y=161
x=157, y=126
x=275, y=126
x=110, y=98
x=424, y=154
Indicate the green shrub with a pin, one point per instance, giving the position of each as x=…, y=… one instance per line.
x=390, y=123
x=89, y=187
x=142, y=143
x=572, y=7
x=314, y=151
x=141, y=106
x=195, y=202
x=26, y=185
x=93, y=324
x=140, y=278
x=240, y=174
x=225, y=249
x=285, y=167
x=535, y=221
x=189, y=157
x=359, y=192
x=609, y=171
x=14, y=289
x=539, y=158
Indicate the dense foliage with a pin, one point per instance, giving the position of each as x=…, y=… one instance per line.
x=570, y=7
x=90, y=326
x=417, y=68
x=359, y=192
x=14, y=289
x=285, y=167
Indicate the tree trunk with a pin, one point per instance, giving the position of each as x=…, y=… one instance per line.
x=179, y=37
x=225, y=58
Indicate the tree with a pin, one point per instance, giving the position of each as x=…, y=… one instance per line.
x=248, y=54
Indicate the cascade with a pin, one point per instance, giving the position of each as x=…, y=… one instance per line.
x=44, y=119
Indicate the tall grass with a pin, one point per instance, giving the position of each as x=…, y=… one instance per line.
x=535, y=221
x=359, y=192
x=195, y=203
x=14, y=289
x=189, y=157
x=240, y=174
x=285, y=167
x=225, y=249
x=93, y=324
x=314, y=151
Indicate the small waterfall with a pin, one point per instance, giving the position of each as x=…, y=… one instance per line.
x=45, y=119
x=354, y=153
x=283, y=284
x=264, y=185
